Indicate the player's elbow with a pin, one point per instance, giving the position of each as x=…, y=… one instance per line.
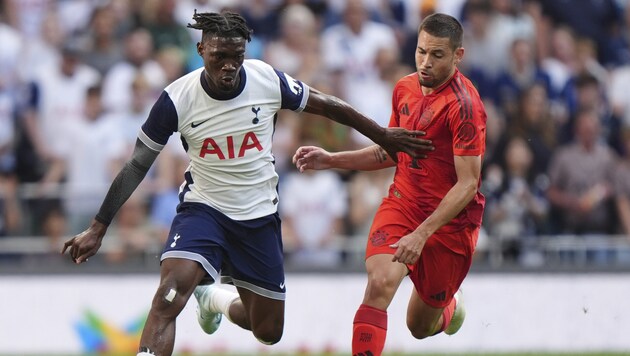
x=469, y=188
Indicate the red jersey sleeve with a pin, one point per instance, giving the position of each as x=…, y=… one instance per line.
x=394, y=118
x=467, y=121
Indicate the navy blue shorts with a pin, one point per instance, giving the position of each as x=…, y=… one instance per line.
x=247, y=253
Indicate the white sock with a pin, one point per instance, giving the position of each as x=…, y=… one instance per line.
x=221, y=301
x=145, y=351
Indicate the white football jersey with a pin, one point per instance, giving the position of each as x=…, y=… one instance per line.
x=228, y=138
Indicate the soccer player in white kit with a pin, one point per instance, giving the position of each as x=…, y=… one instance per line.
x=227, y=223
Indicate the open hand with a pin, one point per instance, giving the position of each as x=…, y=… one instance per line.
x=311, y=157
x=398, y=139
x=85, y=244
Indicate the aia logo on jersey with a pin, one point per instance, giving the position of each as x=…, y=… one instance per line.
x=378, y=238
x=425, y=118
x=223, y=145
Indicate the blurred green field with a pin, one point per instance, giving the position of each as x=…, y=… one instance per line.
x=448, y=354
x=457, y=354
x=389, y=354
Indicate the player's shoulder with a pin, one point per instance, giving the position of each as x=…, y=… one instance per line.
x=460, y=89
x=461, y=83
x=192, y=78
x=261, y=73
x=461, y=79
x=256, y=66
x=408, y=83
x=257, y=63
x=409, y=79
x=182, y=90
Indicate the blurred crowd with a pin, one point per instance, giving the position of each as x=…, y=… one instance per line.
x=78, y=77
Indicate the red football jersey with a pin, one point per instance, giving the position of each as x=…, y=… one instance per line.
x=454, y=118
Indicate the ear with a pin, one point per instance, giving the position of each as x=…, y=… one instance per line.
x=200, y=48
x=459, y=55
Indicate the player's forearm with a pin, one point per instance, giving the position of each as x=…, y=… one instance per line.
x=121, y=189
x=341, y=112
x=453, y=203
x=366, y=159
x=126, y=182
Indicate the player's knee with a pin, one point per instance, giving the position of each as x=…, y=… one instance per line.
x=380, y=285
x=168, y=300
x=268, y=334
x=421, y=333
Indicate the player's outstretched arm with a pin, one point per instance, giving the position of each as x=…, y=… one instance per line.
x=392, y=140
x=366, y=159
x=87, y=243
x=468, y=170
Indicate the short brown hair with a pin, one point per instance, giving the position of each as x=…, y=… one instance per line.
x=443, y=25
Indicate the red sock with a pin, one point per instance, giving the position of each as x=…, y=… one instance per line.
x=369, y=331
x=447, y=315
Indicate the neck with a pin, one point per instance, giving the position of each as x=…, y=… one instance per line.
x=429, y=90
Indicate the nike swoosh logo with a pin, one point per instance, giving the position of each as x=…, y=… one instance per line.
x=195, y=124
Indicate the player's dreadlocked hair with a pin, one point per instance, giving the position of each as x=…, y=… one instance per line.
x=225, y=24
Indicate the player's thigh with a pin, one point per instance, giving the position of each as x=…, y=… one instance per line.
x=390, y=224
x=443, y=264
x=254, y=258
x=197, y=234
x=265, y=315
x=185, y=273
x=384, y=278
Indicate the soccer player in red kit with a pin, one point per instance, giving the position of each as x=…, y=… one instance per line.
x=427, y=226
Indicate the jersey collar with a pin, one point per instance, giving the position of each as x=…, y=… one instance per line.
x=444, y=85
x=218, y=96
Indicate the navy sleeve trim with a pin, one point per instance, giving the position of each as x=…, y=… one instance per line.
x=162, y=120
x=294, y=93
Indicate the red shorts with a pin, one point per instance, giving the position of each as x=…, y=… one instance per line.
x=445, y=259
